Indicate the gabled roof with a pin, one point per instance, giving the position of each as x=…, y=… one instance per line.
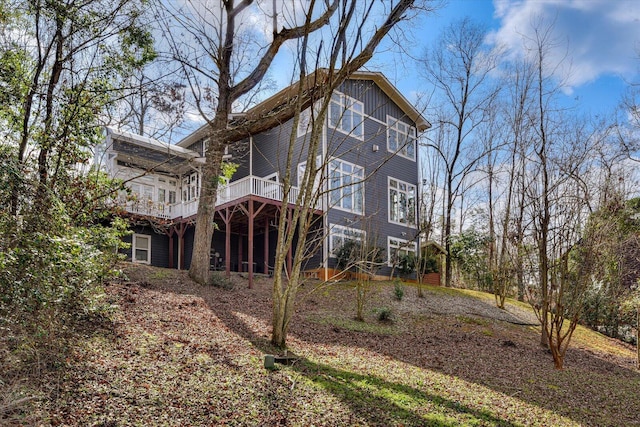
x=392, y=92
x=284, y=96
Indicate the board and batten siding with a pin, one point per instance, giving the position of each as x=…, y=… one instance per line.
x=379, y=164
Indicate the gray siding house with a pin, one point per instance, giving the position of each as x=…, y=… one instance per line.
x=369, y=149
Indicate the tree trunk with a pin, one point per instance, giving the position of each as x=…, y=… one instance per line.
x=447, y=236
x=205, y=226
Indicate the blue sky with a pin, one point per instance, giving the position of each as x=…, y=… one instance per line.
x=600, y=37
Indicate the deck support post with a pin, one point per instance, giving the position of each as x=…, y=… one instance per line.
x=250, y=244
x=266, y=245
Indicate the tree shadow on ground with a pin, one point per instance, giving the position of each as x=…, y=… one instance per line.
x=385, y=403
x=585, y=391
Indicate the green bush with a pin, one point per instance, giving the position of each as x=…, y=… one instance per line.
x=398, y=290
x=407, y=264
x=48, y=283
x=384, y=314
x=220, y=280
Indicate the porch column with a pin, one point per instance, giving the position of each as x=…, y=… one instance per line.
x=266, y=246
x=250, y=244
x=180, y=230
x=171, y=249
x=226, y=218
x=240, y=250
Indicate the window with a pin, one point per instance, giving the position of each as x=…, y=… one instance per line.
x=161, y=195
x=190, y=187
x=302, y=167
x=339, y=234
x=142, y=192
x=401, y=138
x=397, y=248
x=141, y=248
x=346, y=186
x=346, y=115
x=304, y=124
x=402, y=202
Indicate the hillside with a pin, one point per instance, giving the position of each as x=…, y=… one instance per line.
x=178, y=354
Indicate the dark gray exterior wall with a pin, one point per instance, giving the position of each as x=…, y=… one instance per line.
x=379, y=166
x=159, y=246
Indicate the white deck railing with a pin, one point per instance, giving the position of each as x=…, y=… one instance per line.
x=250, y=185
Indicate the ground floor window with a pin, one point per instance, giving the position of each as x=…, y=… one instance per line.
x=397, y=248
x=339, y=234
x=141, y=248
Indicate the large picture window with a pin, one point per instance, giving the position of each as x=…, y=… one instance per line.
x=346, y=115
x=346, y=186
x=141, y=248
x=339, y=234
x=402, y=202
x=397, y=248
x=401, y=138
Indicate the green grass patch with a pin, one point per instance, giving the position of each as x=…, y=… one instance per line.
x=355, y=325
x=471, y=320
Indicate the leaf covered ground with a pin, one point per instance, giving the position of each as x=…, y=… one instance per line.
x=178, y=354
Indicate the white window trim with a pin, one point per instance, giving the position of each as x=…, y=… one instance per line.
x=134, y=247
x=415, y=202
x=342, y=187
x=346, y=102
x=275, y=177
x=316, y=179
x=304, y=123
x=392, y=123
x=345, y=233
x=403, y=244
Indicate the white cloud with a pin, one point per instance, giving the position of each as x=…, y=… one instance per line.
x=599, y=37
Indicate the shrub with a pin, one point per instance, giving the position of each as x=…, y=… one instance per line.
x=49, y=283
x=219, y=280
x=384, y=314
x=407, y=264
x=398, y=290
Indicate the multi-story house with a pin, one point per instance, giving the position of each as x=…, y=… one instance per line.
x=370, y=154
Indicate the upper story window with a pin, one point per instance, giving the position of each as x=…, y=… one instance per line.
x=316, y=174
x=402, y=202
x=339, y=234
x=346, y=186
x=401, y=138
x=142, y=192
x=346, y=115
x=190, y=187
x=304, y=122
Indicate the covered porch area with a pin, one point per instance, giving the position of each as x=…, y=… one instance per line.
x=246, y=238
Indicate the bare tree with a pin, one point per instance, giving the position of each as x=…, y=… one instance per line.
x=506, y=166
x=154, y=102
x=296, y=226
x=460, y=67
